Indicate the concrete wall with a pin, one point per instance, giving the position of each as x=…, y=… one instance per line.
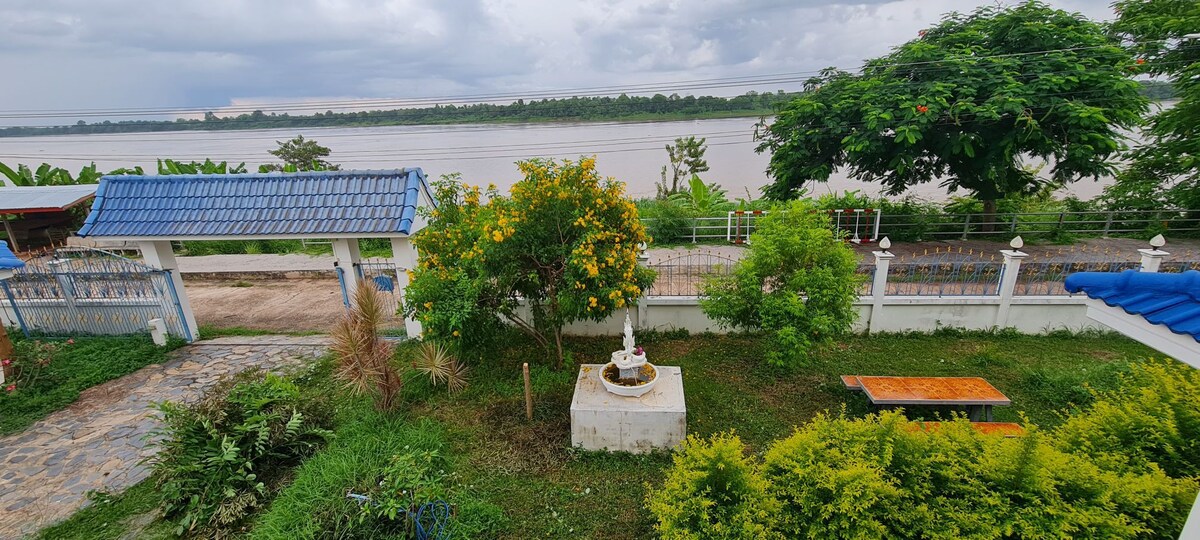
x=1032, y=314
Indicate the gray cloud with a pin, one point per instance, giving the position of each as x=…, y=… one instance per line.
x=137, y=53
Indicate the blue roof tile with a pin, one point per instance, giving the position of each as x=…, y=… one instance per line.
x=8, y=260
x=1172, y=300
x=264, y=205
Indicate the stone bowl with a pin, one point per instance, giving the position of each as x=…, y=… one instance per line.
x=628, y=391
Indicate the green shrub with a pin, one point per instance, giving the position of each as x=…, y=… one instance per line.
x=667, y=221
x=1152, y=420
x=797, y=281
x=886, y=477
x=713, y=491
x=220, y=458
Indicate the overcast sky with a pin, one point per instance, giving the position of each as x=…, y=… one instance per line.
x=78, y=54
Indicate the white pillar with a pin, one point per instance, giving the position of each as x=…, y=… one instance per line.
x=347, y=256
x=1191, y=528
x=159, y=254
x=883, y=260
x=404, y=255
x=1008, y=283
x=1152, y=259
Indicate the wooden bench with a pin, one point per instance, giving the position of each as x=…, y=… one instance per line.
x=1007, y=429
x=975, y=393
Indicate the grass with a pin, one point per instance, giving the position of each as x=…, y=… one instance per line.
x=75, y=368
x=213, y=332
x=518, y=479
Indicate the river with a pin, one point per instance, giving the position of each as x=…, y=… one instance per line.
x=631, y=152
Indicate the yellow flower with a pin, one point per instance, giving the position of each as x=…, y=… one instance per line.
x=455, y=333
x=592, y=301
x=428, y=305
x=497, y=236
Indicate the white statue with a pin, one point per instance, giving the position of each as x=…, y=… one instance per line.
x=629, y=358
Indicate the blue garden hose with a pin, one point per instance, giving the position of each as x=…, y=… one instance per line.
x=431, y=521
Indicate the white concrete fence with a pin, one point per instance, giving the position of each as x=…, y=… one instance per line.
x=881, y=312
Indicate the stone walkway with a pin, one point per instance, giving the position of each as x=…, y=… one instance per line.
x=97, y=442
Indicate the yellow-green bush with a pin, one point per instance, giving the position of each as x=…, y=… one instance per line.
x=713, y=492
x=1152, y=419
x=885, y=477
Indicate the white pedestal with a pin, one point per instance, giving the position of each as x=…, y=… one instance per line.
x=601, y=420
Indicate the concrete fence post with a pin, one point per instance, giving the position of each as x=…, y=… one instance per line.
x=883, y=260
x=1008, y=281
x=1152, y=258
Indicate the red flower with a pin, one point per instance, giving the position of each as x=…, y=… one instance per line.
x=922, y=109
x=11, y=388
x=70, y=342
x=5, y=362
x=1141, y=61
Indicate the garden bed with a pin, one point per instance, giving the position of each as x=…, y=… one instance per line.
x=519, y=479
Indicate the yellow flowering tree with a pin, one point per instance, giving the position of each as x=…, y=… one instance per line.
x=561, y=247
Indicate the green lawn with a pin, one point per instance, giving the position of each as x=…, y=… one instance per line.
x=517, y=479
x=75, y=368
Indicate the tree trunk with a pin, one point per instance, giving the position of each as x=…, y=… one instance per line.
x=989, y=215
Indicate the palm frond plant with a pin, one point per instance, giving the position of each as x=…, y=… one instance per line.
x=363, y=357
x=434, y=360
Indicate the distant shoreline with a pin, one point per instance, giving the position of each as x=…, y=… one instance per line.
x=633, y=118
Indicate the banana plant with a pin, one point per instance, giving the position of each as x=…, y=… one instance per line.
x=702, y=199
x=170, y=166
x=44, y=175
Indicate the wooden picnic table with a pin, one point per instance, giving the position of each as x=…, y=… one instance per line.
x=975, y=393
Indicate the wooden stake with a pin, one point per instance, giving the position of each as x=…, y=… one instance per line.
x=528, y=393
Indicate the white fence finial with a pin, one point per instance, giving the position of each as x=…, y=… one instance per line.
x=1017, y=242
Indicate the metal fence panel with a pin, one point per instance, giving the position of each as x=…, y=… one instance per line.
x=93, y=292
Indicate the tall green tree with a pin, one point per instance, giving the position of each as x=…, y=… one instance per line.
x=965, y=103
x=686, y=158
x=1167, y=167
x=301, y=154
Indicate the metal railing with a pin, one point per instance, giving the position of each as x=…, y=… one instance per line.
x=1003, y=225
x=736, y=229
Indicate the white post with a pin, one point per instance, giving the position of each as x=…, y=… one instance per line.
x=1008, y=282
x=1152, y=259
x=883, y=259
x=159, y=254
x=404, y=256
x=347, y=256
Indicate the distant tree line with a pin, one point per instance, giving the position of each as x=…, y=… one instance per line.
x=570, y=109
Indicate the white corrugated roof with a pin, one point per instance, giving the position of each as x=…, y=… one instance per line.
x=22, y=199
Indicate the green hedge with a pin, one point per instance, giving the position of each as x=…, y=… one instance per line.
x=1106, y=473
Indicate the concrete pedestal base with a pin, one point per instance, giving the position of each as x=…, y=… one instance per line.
x=601, y=420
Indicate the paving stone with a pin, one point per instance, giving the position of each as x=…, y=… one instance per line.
x=89, y=448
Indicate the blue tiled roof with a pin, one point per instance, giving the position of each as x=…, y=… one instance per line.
x=1172, y=300
x=311, y=204
x=8, y=261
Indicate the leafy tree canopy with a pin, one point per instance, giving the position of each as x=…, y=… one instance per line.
x=686, y=157
x=301, y=154
x=1169, y=164
x=965, y=103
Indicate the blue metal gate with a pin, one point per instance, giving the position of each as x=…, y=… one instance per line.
x=382, y=275
x=83, y=291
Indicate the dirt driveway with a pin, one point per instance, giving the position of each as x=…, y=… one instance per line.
x=283, y=305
